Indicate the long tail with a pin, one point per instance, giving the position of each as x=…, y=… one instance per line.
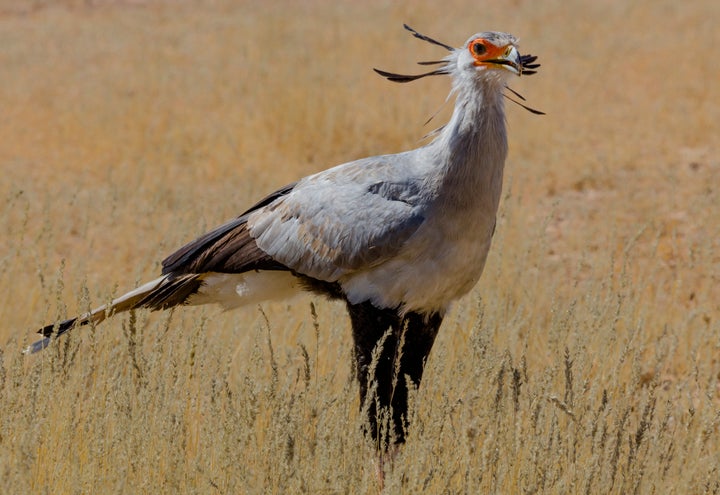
x=162, y=293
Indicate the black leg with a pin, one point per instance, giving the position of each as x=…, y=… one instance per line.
x=385, y=391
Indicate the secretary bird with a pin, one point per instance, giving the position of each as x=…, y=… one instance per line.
x=397, y=237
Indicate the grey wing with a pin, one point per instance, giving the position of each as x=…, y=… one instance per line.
x=346, y=219
x=324, y=226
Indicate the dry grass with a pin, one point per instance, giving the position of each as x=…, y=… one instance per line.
x=587, y=360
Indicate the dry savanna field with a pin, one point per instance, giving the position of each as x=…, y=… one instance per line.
x=587, y=359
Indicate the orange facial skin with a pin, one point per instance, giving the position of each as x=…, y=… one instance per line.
x=487, y=54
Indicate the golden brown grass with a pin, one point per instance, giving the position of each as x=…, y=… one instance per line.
x=587, y=360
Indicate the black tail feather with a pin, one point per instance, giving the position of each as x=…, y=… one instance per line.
x=59, y=328
x=169, y=291
x=173, y=293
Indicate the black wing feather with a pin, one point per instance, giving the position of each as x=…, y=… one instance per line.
x=228, y=248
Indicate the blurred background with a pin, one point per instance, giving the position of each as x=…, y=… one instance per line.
x=130, y=127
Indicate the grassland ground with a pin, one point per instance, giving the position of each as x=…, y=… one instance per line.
x=587, y=360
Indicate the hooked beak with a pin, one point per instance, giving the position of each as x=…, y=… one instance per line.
x=509, y=60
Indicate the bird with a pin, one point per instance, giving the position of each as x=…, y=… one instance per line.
x=397, y=237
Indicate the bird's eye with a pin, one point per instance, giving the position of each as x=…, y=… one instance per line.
x=478, y=48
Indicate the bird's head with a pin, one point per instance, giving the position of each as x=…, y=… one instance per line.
x=489, y=51
x=488, y=56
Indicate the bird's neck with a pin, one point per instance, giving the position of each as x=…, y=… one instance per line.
x=472, y=147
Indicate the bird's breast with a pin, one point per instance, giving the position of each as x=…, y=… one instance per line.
x=441, y=262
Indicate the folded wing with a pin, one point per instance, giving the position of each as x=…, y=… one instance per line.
x=345, y=219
